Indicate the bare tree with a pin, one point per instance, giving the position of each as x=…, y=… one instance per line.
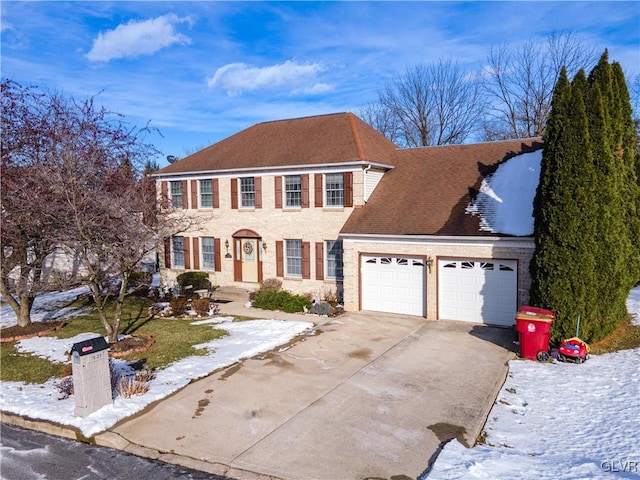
x=435, y=104
x=28, y=216
x=72, y=180
x=382, y=119
x=519, y=83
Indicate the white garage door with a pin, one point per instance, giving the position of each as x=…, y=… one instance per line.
x=393, y=284
x=480, y=291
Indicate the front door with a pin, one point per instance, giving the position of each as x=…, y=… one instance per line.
x=249, y=258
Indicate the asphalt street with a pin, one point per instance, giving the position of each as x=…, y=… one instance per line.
x=30, y=455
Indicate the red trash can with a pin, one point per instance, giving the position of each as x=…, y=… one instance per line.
x=534, y=326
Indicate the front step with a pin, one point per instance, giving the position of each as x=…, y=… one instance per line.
x=231, y=294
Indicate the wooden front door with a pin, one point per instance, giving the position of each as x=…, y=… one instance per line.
x=247, y=260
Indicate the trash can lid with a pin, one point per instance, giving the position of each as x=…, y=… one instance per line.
x=528, y=310
x=89, y=346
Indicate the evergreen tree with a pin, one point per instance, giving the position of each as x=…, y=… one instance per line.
x=586, y=207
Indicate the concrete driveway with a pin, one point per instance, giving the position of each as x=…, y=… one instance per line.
x=366, y=396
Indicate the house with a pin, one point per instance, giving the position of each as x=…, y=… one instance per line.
x=327, y=204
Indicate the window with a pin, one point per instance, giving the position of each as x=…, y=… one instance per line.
x=293, y=190
x=334, y=260
x=176, y=194
x=206, y=194
x=178, y=252
x=208, y=253
x=247, y=192
x=293, y=258
x=334, y=189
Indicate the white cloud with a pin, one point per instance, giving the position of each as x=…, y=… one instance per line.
x=236, y=78
x=315, y=89
x=137, y=38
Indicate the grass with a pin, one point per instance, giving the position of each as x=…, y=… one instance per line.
x=174, y=340
x=23, y=367
x=626, y=336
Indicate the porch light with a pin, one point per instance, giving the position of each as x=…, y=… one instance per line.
x=226, y=244
x=429, y=263
x=264, y=247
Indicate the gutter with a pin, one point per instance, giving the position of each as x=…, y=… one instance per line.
x=318, y=167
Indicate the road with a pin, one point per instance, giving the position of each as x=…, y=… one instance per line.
x=30, y=455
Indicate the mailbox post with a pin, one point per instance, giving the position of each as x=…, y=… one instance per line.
x=91, y=375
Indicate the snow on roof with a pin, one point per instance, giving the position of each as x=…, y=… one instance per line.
x=505, y=201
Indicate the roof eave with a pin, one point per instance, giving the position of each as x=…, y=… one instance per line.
x=277, y=168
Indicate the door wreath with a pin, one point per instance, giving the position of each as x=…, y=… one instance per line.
x=248, y=247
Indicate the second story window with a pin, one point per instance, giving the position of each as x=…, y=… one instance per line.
x=176, y=194
x=206, y=194
x=293, y=190
x=334, y=189
x=247, y=192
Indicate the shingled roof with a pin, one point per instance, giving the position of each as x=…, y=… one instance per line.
x=323, y=139
x=429, y=189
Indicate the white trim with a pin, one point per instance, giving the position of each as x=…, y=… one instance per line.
x=515, y=242
x=277, y=170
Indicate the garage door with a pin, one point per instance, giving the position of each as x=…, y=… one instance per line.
x=480, y=291
x=393, y=284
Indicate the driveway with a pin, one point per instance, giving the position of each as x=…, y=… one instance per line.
x=366, y=396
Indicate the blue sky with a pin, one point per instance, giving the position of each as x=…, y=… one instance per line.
x=201, y=71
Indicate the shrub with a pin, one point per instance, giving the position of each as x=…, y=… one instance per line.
x=178, y=305
x=65, y=387
x=197, y=280
x=128, y=387
x=139, y=280
x=281, y=300
x=201, y=306
x=268, y=285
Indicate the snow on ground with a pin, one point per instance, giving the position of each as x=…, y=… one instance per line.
x=47, y=307
x=42, y=401
x=558, y=420
x=505, y=200
x=549, y=421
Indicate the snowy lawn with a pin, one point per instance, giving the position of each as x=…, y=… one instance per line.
x=550, y=420
x=558, y=420
x=42, y=401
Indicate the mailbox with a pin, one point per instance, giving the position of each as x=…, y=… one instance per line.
x=91, y=375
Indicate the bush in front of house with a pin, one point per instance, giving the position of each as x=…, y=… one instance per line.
x=281, y=300
x=196, y=280
x=178, y=305
x=267, y=285
x=201, y=306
